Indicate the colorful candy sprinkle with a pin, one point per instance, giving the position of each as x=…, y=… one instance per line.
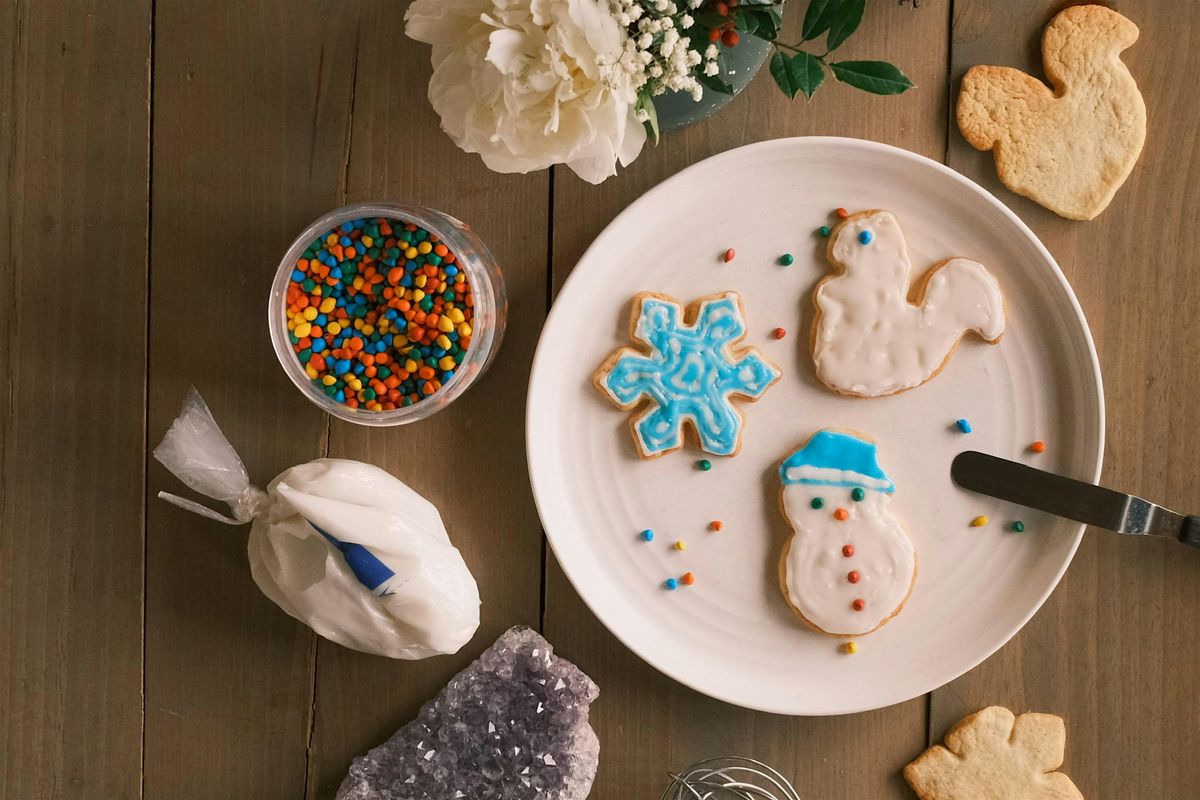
x=817, y=502
x=1018, y=526
x=850, y=647
x=647, y=535
x=847, y=550
x=979, y=522
x=858, y=494
x=680, y=544
x=379, y=313
x=865, y=237
x=842, y=213
x=1038, y=447
x=688, y=579
x=728, y=255
x=824, y=230
x=963, y=425
x=859, y=604
x=853, y=576
x=841, y=515
x=779, y=333
x=704, y=465
x=716, y=525
x=786, y=260
x=671, y=584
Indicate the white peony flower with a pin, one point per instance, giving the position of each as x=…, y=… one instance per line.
x=531, y=83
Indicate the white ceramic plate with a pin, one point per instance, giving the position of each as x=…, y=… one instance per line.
x=730, y=635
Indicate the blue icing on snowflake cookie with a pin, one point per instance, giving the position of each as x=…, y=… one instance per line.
x=690, y=375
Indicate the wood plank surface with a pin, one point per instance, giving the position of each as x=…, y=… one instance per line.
x=647, y=723
x=1114, y=650
x=251, y=118
x=468, y=460
x=74, y=121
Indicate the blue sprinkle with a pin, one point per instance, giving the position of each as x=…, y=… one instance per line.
x=318, y=345
x=336, y=272
x=340, y=396
x=345, y=241
x=451, y=271
x=360, y=223
x=347, y=227
x=320, y=320
x=343, y=366
x=447, y=376
x=671, y=584
x=963, y=425
x=647, y=535
x=298, y=276
x=865, y=237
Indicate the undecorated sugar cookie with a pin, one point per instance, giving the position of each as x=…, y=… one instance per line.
x=850, y=565
x=994, y=755
x=867, y=339
x=1072, y=147
x=689, y=376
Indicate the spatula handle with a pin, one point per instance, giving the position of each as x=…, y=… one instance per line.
x=1191, y=531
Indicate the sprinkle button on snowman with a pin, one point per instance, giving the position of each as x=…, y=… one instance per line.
x=849, y=566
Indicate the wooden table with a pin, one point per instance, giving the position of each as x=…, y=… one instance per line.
x=157, y=158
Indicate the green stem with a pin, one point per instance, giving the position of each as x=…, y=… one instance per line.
x=797, y=49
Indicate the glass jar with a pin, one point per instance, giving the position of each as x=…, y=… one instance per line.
x=473, y=258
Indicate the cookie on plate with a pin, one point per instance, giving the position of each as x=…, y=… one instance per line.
x=689, y=374
x=995, y=755
x=849, y=565
x=868, y=339
x=1072, y=147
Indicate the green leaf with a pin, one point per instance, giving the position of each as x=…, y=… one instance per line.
x=816, y=19
x=646, y=103
x=714, y=82
x=797, y=73
x=745, y=21
x=769, y=19
x=710, y=19
x=846, y=23
x=876, y=77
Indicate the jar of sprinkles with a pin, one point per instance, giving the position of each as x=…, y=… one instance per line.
x=383, y=314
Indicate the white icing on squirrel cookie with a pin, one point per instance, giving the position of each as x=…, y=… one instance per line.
x=849, y=565
x=868, y=339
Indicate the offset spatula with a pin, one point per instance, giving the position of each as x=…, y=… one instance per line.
x=1064, y=497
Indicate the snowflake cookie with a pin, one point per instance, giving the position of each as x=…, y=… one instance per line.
x=995, y=755
x=690, y=375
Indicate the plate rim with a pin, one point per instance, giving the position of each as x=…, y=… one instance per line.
x=539, y=365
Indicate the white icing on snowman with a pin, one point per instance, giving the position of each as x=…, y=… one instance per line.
x=849, y=575
x=869, y=340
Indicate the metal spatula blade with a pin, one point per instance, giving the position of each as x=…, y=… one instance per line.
x=1066, y=497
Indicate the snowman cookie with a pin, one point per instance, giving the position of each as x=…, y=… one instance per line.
x=690, y=374
x=867, y=339
x=849, y=565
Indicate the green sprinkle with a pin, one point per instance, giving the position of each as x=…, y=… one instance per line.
x=858, y=494
x=786, y=260
x=817, y=502
x=824, y=231
x=1018, y=526
x=704, y=464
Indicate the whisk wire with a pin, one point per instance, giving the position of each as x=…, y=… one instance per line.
x=729, y=778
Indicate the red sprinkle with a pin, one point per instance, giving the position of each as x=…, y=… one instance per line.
x=842, y=213
x=1038, y=447
x=853, y=576
x=688, y=579
x=715, y=525
x=859, y=604
x=848, y=550
x=779, y=333
x=841, y=515
x=728, y=255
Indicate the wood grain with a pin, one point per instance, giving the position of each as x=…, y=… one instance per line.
x=469, y=460
x=647, y=723
x=1114, y=649
x=73, y=204
x=251, y=118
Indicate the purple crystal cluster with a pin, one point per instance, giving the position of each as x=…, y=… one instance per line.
x=511, y=726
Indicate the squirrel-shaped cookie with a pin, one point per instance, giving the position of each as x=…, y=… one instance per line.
x=1069, y=149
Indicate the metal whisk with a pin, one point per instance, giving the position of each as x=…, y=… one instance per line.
x=729, y=778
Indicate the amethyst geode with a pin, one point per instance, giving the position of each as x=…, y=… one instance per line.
x=511, y=726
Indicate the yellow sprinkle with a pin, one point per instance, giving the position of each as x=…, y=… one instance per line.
x=464, y=329
x=420, y=281
x=445, y=325
x=447, y=362
x=367, y=329
x=418, y=295
x=979, y=522
x=329, y=380
x=679, y=545
x=331, y=239
x=368, y=241
x=410, y=252
x=424, y=248
x=358, y=282
x=327, y=305
x=850, y=647
x=309, y=313
x=303, y=329
x=355, y=384
x=310, y=372
x=442, y=342
x=399, y=340
x=455, y=316
x=333, y=328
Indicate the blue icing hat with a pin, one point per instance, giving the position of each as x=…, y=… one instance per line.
x=831, y=458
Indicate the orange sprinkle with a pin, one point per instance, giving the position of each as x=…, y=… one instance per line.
x=841, y=515
x=688, y=579
x=716, y=525
x=842, y=213
x=728, y=255
x=1038, y=447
